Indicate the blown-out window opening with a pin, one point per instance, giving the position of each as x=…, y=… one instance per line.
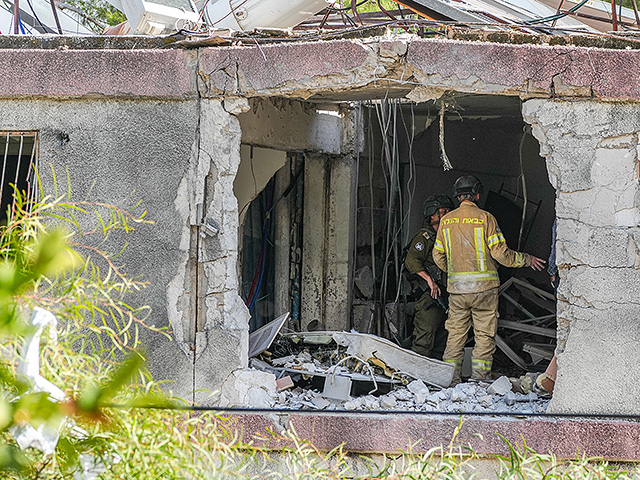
x=19, y=161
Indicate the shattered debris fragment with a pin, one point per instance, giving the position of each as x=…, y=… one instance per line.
x=500, y=387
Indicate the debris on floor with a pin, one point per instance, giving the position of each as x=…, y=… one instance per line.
x=354, y=371
x=463, y=398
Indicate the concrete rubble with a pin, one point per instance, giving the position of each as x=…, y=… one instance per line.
x=463, y=398
x=324, y=375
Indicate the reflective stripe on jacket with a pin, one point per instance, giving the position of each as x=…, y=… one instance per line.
x=468, y=245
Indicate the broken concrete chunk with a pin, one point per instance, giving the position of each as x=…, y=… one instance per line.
x=248, y=388
x=353, y=404
x=304, y=357
x=371, y=403
x=417, y=387
x=388, y=401
x=458, y=395
x=321, y=403
x=500, y=387
x=402, y=394
x=279, y=362
x=309, y=367
x=510, y=398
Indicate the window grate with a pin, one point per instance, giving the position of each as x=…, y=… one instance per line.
x=19, y=163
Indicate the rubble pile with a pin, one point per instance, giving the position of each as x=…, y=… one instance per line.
x=463, y=398
x=325, y=375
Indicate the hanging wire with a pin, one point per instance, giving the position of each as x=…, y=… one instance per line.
x=522, y=177
x=446, y=163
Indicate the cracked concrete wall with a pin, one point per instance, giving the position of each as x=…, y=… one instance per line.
x=122, y=152
x=592, y=151
x=221, y=342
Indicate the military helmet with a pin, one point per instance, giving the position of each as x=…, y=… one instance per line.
x=467, y=184
x=434, y=202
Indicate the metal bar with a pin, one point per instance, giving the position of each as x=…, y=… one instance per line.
x=505, y=285
x=515, y=358
x=540, y=321
x=543, y=303
x=537, y=290
x=55, y=15
x=597, y=18
x=4, y=164
x=518, y=306
x=537, y=351
x=16, y=17
x=557, y=12
x=326, y=16
x=354, y=10
x=523, y=327
x=31, y=171
x=15, y=182
x=635, y=11
x=614, y=16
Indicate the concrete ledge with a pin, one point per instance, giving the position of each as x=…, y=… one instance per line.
x=166, y=74
x=614, y=440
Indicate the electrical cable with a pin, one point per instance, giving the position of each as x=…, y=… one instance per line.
x=44, y=27
x=255, y=291
x=558, y=16
x=524, y=188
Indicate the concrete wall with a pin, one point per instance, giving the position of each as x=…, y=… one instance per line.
x=592, y=154
x=121, y=152
x=125, y=151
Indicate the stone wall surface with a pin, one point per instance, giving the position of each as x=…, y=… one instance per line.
x=592, y=155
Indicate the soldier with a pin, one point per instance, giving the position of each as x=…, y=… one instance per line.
x=468, y=245
x=429, y=335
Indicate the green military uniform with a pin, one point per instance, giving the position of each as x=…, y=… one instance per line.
x=429, y=335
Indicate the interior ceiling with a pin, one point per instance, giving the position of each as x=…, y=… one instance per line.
x=459, y=105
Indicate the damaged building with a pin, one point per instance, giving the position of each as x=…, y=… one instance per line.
x=287, y=174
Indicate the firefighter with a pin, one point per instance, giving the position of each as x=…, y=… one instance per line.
x=429, y=335
x=468, y=245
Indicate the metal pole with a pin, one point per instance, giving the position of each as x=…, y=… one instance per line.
x=557, y=12
x=16, y=17
x=635, y=11
x=55, y=15
x=15, y=182
x=614, y=18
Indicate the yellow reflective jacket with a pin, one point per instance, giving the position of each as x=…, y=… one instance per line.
x=468, y=244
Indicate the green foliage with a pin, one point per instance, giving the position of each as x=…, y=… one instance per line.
x=94, y=14
x=42, y=264
x=373, y=6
